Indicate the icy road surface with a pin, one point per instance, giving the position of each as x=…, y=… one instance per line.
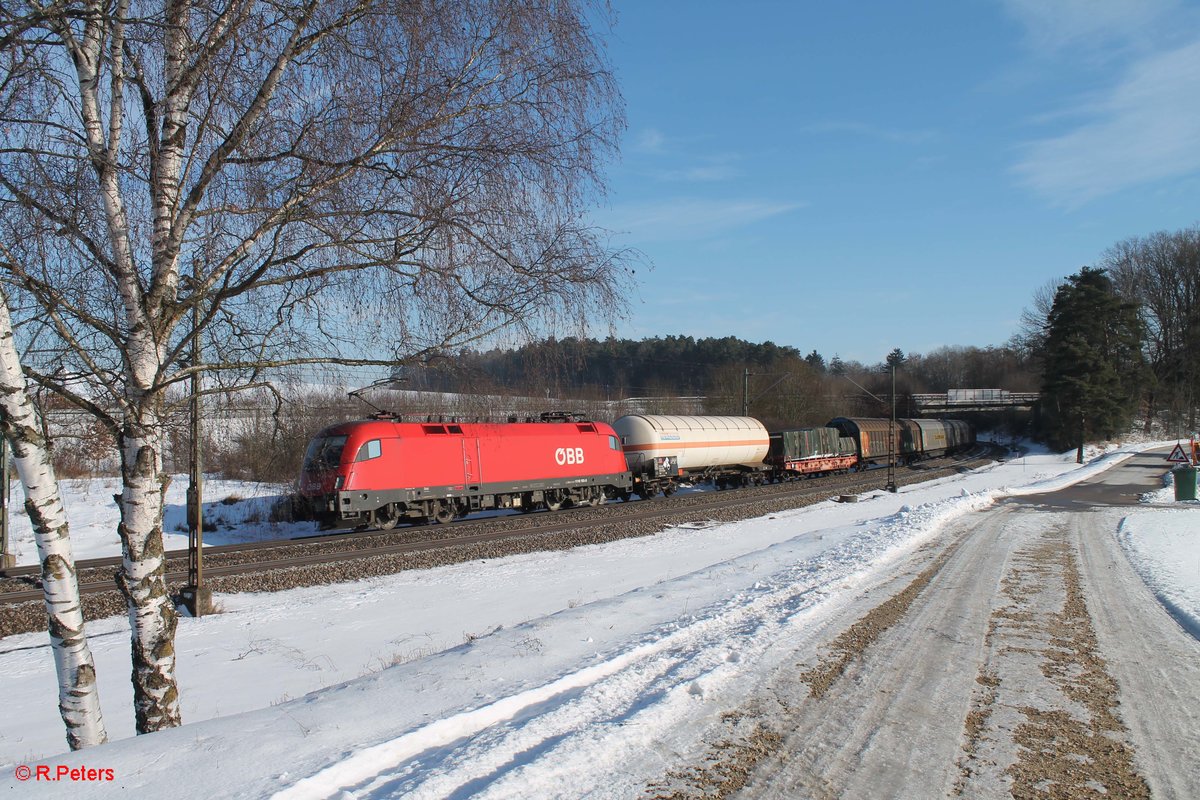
x=1032, y=658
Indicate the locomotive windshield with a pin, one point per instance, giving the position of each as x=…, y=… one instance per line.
x=324, y=453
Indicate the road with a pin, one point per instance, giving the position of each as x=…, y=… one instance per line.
x=1020, y=656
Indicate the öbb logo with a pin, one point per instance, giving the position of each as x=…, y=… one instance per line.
x=568, y=455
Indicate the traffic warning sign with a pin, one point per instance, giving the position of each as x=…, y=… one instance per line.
x=1178, y=456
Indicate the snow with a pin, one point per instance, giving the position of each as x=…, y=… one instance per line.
x=239, y=511
x=548, y=674
x=1164, y=548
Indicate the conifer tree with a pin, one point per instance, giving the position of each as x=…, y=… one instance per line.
x=1092, y=362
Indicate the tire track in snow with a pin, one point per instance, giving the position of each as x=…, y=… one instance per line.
x=614, y=707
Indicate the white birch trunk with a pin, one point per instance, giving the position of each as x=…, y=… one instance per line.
x=142, y=580
x=78, y=698
x=152, y=617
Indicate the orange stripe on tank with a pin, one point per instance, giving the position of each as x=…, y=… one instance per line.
x=632, y=448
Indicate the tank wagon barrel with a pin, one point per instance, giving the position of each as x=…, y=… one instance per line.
x=662, y=450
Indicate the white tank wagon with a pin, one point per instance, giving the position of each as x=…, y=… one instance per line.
x=661, y=450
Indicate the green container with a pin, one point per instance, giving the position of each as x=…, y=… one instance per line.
x=1185, y=483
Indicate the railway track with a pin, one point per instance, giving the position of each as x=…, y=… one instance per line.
x=269, y=566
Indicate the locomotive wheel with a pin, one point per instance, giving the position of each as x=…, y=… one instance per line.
x=443, y=514
x=386, y=518
x=554, y=501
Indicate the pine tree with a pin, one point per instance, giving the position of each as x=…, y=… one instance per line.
x=1092, y=362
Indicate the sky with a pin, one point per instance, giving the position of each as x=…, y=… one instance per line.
x=855, y=177
x=550, y=674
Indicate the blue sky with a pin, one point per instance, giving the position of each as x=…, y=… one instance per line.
x=854, y=177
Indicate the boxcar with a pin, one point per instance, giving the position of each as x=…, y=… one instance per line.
x=914, y=438
x=871, y=436
x=660, y=450
x=382, y=471
x=933, y=437
x=959, y=434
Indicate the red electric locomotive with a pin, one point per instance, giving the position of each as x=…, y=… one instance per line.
x=381, y=471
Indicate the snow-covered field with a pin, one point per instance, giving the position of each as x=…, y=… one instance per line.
x=591, y=658
x=239, y=511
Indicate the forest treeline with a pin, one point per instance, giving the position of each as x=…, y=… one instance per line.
x=780, y=384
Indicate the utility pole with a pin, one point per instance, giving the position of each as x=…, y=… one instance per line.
x=746, y=392
x=196, y=596
x=891, y=479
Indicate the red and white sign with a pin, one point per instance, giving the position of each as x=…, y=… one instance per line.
x=1178, y=456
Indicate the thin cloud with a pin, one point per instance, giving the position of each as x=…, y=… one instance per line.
x=702, y=174
x=690, y=217
x=659, y=148
x=1147, y=128
x=650, y=140
x=896, y=135
x=1060, y=24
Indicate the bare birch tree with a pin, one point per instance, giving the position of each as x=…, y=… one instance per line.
x=78, y=698
x=302, y=181
x=1031, y=331
x=1161, y=272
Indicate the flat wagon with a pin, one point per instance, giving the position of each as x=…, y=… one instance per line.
x=802, y=452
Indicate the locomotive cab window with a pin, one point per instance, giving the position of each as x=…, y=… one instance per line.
x=324, y=453
x=612, y=443
x=369, y=450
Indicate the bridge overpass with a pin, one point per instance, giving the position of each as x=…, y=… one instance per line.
x=974, y=400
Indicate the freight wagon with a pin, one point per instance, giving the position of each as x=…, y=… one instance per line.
x=803, y=452
x=662, y=450
x=911, y=439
